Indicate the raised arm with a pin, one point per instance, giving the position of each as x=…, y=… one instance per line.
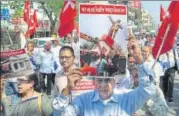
x=146, y=88
x=61, y=104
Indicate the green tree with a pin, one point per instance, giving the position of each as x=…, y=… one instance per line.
x=17, y=6
x=52, y=8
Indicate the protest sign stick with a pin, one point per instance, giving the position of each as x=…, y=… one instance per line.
x=10, y=39
x=164, y=38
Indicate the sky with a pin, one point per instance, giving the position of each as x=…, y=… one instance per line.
x=153, y=7
x=102, y=26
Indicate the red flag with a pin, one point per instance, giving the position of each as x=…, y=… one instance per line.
x=32, y=25
x=162, y=13
x=67, y=18
x=167, y=30
x=26, y=11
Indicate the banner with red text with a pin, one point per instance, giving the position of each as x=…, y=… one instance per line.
x=84, y=85
x=103, y=38
x=14, y=62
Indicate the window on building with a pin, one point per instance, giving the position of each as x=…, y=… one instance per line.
x=41, y=34
x=15, y=66
x=21, y=64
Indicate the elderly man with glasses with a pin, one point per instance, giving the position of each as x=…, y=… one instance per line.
x=103, y=101
x=66, y=58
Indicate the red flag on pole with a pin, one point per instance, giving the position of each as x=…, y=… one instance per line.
x=162, y=13
x=67, y=18
x=32, y=25
x=26, y=11
x=167, y=31
x=35, y=21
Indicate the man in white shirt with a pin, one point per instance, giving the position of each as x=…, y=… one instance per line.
x=149, y=61
x=47, y=67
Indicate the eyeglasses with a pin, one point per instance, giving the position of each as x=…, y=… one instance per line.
x=22, y=81
x=108, y=80
x=65, y=57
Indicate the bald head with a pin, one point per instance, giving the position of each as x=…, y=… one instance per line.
x=47, y=45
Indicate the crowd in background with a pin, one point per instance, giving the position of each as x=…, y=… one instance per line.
x=31, y=93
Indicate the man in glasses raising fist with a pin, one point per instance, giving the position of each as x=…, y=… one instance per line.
x=103, y=101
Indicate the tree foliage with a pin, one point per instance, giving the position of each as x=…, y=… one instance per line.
x=52, y=10
x=17, y=6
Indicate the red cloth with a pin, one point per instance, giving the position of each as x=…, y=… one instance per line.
x=26, y=11
x=171, y=22
x=109, y=41
x=32, y=25
x=91, y=70
x=162, y=13
x=67, y=18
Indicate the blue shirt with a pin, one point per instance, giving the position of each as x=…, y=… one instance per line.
x=34, y=59
x=47, y=64
x=89, y=104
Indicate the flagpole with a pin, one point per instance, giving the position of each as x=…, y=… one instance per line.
x=165, y=36
x=28, y=17
x=9, y=36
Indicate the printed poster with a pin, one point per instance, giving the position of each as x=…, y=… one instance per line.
x=103, y=39
x=13, y=62
x=84, y=85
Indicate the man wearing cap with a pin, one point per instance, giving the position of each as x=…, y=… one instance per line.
x=103, y=101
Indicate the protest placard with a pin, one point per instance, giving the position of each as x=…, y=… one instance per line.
x=84, y=85
x=13, y=62
x=103, y=34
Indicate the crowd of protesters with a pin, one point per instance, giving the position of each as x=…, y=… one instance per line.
x=143, y=91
